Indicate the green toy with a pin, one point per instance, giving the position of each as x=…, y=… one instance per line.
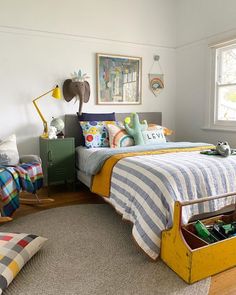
x=215, y=232
x=135, y=128
x=204, y=233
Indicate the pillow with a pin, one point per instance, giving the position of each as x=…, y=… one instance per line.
x=93, y=117
x=96, y=117
x=118, y=137
x=8, y=151
x=95, y=133
x=154, y=136
x=15, y=250
x=166, y=130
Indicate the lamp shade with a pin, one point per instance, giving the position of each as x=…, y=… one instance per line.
x=56, y=92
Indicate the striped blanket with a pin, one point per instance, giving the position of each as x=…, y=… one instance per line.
x=144, y=188
x=13, y=179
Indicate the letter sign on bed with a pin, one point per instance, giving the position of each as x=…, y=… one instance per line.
x=154, y=136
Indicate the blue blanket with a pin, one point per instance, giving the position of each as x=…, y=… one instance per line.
x=97, y=159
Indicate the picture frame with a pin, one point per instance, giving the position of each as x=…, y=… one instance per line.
x=119, y=79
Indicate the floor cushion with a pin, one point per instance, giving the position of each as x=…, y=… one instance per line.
x=15, y=250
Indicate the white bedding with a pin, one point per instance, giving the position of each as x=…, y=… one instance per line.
x=83, y=154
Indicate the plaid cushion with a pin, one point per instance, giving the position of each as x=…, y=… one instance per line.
x=15, y=250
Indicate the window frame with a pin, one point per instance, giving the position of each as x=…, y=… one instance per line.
x=212, y=110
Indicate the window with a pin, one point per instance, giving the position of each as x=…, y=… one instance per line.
x=223, y=103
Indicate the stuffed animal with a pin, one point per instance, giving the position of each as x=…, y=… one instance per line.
x=223, y=148
x=135, y=128
x=52, y=132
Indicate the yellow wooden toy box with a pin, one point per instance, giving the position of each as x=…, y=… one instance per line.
x=191, y=257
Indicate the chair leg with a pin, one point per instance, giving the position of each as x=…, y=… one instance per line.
x=36, y=201
x=4, y=219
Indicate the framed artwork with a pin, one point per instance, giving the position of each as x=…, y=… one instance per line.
x=119, y=79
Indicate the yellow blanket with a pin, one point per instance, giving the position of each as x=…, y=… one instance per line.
x=102, y=180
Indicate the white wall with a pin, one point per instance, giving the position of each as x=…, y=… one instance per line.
x=43, y=42
x=199, y=23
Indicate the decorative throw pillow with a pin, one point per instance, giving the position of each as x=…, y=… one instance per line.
x=96, y=117
x=93, y=117
x=8, y=151
x=96, y=133
x=154, y=136
x=15, y=251
x=118, y=137
x=166, y=130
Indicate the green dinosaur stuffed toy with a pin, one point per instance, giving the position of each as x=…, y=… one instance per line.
x=135, y=128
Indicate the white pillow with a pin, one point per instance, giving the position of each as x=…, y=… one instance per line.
x=8, y=151
x=154, y=136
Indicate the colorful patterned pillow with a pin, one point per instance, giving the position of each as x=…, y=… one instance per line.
x=93, y=117
x=15, y=251
x=96, y=133
x=118, y=137
x=154, y=136
x=8, y=151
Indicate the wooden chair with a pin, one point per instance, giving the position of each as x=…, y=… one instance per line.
x=35, y=200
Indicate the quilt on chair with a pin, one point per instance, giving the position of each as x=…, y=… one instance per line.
x=14, y=179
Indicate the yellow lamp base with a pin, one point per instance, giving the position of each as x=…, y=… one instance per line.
x=44, y=135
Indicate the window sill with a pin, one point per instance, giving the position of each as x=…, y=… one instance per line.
x=225, y=129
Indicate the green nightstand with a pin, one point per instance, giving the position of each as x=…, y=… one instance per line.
x=58, y=160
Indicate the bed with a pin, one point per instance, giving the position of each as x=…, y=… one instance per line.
x=142, y=182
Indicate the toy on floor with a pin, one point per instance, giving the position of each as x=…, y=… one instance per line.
x=204, y=233
x=135, y=128
x=222, y=149
x=215, y=232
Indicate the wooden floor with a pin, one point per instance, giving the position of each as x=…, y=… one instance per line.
x=221, y=284
x=62, y=197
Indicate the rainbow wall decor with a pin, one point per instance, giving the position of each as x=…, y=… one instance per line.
x=156, y=82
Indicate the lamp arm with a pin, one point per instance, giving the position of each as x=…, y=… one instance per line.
x=44, y=94
x=40, y=114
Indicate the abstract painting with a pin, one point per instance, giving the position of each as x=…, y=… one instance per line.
x=118, y=79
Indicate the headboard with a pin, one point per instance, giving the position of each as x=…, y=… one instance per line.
x=72, y=128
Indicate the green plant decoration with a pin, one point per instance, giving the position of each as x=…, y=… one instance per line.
x=135, y=128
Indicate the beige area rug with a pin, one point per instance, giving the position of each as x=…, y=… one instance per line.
x=90, y=250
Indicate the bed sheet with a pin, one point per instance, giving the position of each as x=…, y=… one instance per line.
x=83, y=155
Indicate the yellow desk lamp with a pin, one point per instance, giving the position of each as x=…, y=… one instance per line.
x=56, y=93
